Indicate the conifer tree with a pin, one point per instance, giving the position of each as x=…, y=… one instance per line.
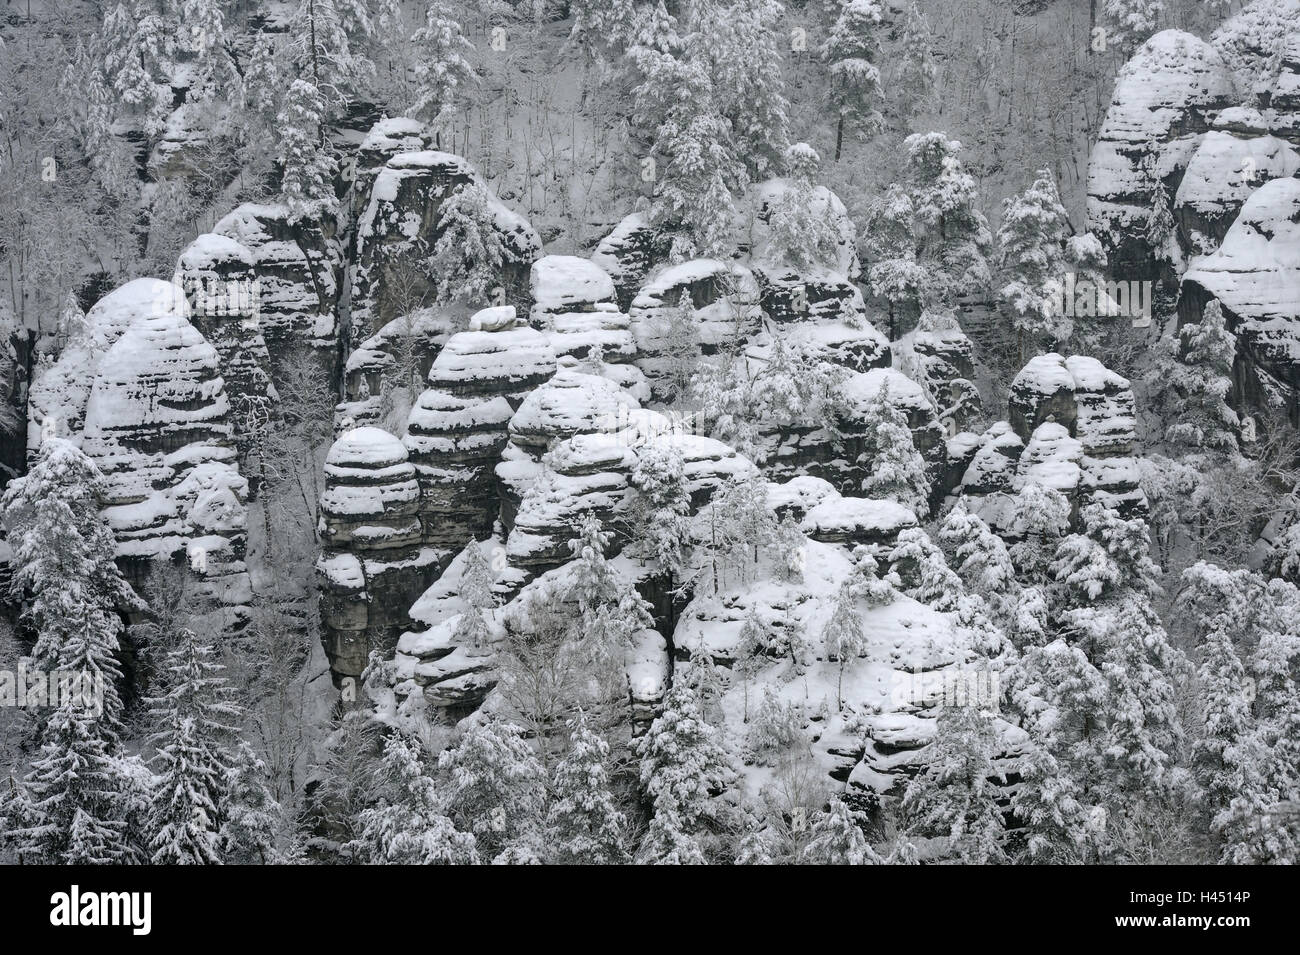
x=896, y=470
x=409, y=825
x=954, y=797
x=1201, y=379
x=307, y=183
x=468, y=254
x=586, y=824
x=837, y=838
x=1030, y=239
x=442, y=71
x=852, y=52
x=476, y=580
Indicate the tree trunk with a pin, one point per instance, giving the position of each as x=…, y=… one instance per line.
x=839, y=137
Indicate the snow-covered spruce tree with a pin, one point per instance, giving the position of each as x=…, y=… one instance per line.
x=442, y=71
x=955, y=796
x=1040, y=519
x=681, y=346
x=843, y=636
x=685, y=770
x=193, y=756
x=837, y=838
x=921, y=571
x=1130, y=22
x=800, y=232
x=742, y=42
x=892, y=246
x=1052, y=824
x=696, y=167
x=252, y=830
x=752, y=649
x=64, y=567
x=1034, y=225
x=1200, y=379
x=1108, y=588
x=982, y=561
x=912, y=84
x=660, y=509
x=896, y=470
x=777, y=729
x=468, y=255
x=954, y=234
x=739, y=527
x=495, y=789
x=1227, y=721
x=585, y=825
x=476, y=580
x=851, y=53
x=409, y=825
x=307, y=184
x=610, y=613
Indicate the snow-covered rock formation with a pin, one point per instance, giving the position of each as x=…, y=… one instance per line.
x=373, y=565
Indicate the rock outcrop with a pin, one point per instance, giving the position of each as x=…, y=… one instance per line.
x=373, y=565
x=458, y=427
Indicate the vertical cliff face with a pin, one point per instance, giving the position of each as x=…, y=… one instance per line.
x=1164, y=98
x=219, y=277
x=298, y=267
x=373, y=565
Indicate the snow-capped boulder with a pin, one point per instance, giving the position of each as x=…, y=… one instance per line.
x=386, y=139
x=1165, y=95
x=157, y=424
x=59, y=391
x=858, y=520
x=1091, y=404
x=574, y=301
x=403, y=349
x=1224, y=170
x=372, y=566
x=628, y=254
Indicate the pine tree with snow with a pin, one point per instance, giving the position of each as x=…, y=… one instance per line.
x=696, y=167
x=442, y=71
x=193, y=757
x=586, y=826
x=660, y=509
x=307, y=182
x=836, y=838
x=476, y=581
x=684, y=769
x=1053, y=825
x=922, y=572
x=64, y=567
x=409, y=826
x=253, y=818
x=1226, y=717
x=915, y=74
x=1040, y=518
x=469, y=253
x=843, y=636
x=741, y=42
x=954, y=235
x=668, y=843
x=1130, y=22
x=955, y=797
x=328, y=48
x=800, y=233
x=851, y=53
x=1201, y=380
x=777, y=728
x=893, y=243
x=1030, y=241
x=895, y=469
x=680, y=346
x=982, y=562
x=495, y=787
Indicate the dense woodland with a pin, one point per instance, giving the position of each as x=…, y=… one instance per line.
x=694, y=432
